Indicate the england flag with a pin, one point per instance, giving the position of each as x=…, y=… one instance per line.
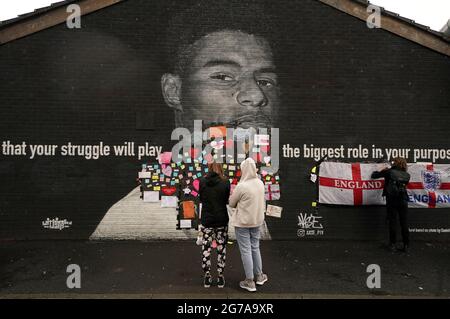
x=429, y=186
x=350, y=184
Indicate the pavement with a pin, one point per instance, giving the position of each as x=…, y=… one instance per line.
x=172, y=269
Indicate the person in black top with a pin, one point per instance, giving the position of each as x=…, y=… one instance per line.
x=396, y=178
x=214, y=194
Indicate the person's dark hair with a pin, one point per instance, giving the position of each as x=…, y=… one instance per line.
x=400, y=163
x=207, y=16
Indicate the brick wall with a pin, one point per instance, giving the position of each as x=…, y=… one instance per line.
x=342, y=84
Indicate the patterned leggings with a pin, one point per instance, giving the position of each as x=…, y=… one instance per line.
x=220, y=234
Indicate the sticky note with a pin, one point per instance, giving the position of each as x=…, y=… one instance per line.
x=185, y=223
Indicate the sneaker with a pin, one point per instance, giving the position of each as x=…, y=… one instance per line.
x=248, y=284
x=220, y=282
x=207, y=281
x=261, y=279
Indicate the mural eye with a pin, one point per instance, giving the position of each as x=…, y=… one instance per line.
x=222, y=77
x=265, y=83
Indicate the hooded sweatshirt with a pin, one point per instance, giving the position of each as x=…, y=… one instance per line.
x=248, y=198
x=214, y=194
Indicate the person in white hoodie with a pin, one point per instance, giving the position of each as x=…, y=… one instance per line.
x=248, y=199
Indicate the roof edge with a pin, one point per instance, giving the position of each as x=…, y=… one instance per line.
x=47, y=17
x=402, y=27
x=55, y=14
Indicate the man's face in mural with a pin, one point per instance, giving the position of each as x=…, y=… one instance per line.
x=230, y=80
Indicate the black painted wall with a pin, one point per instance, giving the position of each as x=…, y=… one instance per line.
x=342, y=83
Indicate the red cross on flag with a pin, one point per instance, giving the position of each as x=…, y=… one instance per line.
x=429, y=186
x=350, y=184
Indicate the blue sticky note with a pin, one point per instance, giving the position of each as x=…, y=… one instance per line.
x=206, y=170
x=172, y=183
x=191, y=168
x=199, y=174
x=188, y=160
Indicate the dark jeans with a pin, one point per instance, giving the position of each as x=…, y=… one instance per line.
x=400, y=208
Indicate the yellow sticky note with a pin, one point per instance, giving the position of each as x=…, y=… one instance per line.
x=314, y=169
x=231, y=173
x=314, y=204
x=156, y=188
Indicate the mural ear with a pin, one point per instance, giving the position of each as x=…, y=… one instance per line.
x=171, y=90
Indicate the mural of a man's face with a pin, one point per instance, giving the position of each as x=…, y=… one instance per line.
x=230, y=80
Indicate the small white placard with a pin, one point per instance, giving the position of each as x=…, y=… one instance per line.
x=185, y=223
x=262, y=139
x=274, y=211
x=145, y=174
x=169, y=201
x=151, y=196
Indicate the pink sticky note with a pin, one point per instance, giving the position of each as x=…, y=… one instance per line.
x=194, y=193
x=165, y=158
x=196, y=184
